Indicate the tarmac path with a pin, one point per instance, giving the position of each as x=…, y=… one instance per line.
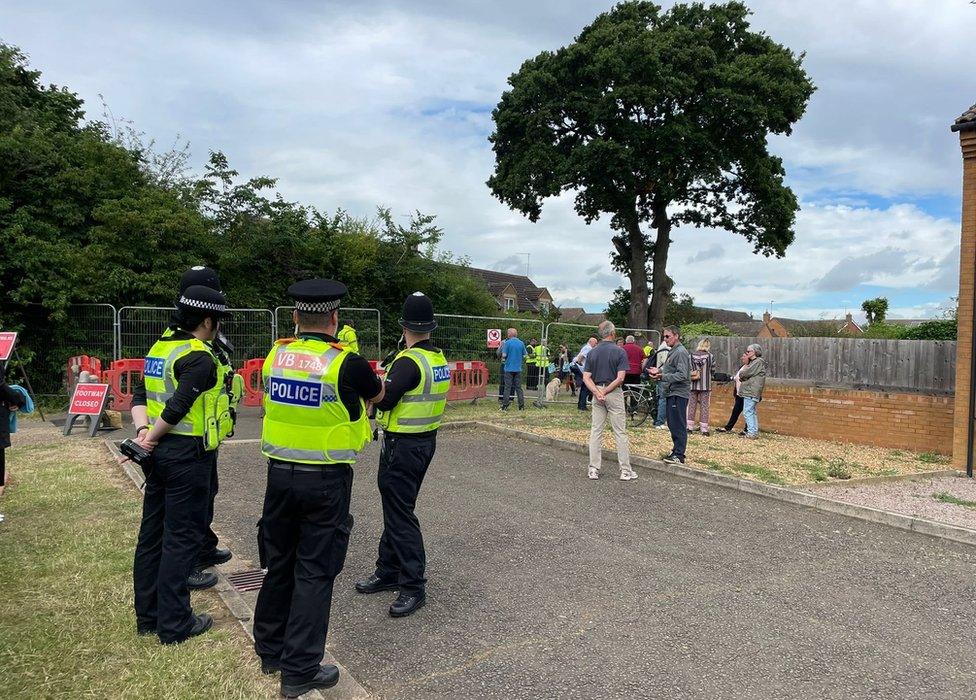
x=543, y=584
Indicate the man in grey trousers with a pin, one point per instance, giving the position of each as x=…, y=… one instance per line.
x=606, y=367
x=675, y=376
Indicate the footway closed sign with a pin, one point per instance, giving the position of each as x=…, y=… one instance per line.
x=494, y=337
x=88, y=399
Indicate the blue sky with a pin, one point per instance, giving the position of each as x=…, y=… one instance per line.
x=353, y=105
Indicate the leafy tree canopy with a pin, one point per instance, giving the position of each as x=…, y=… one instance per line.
x=703, y=329
x=876, y=309
x=655, y=119
x=91, y=212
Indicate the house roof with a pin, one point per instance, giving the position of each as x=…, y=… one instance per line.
x=968, y=116
x=726, y=316
x=909, y=322
x=588, y=319
x=527, y=293
x=568, y=314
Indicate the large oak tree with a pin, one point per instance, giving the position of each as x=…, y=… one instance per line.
x=656, y=119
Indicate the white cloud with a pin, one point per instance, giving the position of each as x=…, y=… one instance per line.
x=354, y=105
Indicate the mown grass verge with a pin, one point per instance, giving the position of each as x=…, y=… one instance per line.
x=66, y=623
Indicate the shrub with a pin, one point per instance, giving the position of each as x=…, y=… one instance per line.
x=932, y=330
x=885, y=330
x=703, y=329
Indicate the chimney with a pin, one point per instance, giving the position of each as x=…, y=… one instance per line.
x=850, y=317
x=767, y=317
x=964, y=435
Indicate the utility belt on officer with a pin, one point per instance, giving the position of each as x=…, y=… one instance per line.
x=320, y=468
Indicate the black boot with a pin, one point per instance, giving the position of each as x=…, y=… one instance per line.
x=199, y=580
x=327, y=677
x=201, y=623
x=374, y=584
x=217, y=556
x=407, y=604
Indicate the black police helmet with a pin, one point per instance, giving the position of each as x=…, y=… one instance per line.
x=199, y=275
x=418, y=314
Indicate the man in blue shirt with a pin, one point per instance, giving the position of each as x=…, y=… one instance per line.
x=513, y=354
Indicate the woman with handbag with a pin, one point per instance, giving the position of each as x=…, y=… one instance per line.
x=702, y=362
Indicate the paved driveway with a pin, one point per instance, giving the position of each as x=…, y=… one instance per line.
x=546, y=585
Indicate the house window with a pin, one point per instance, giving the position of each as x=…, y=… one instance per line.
x=545, y=307
x=509, y=304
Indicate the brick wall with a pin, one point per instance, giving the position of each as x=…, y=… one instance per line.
x=917, y=422
x=967, y=268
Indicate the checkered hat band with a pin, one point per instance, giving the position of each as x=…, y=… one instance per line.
x=197, y=304
x=318, y=307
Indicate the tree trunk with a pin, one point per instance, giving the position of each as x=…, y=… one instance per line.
x=637, y=316
x=660, y=282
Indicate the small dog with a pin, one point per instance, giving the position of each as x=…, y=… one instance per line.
x=552, y=389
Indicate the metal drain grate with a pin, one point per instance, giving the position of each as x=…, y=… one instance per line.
x=246, y=580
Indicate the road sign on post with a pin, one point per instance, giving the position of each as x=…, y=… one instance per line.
x=87, y=401
x=494, y=337
x=7, y=342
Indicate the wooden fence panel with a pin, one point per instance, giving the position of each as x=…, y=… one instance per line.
x=926, y=366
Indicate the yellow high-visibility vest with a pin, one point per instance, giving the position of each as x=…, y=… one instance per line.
x=305, y=420
x=209, y=417
x=347, y=338
x=422, y=407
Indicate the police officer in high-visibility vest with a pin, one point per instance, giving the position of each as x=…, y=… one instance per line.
x=410, y=413
x=315, y=424
x=542, y=361
x=210, y=553
x=186, y=416
x=531, y=376
x=347, y=337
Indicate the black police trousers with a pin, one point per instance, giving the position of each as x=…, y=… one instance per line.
x=305, y=530
x=174, y=517
x=210, y=540
x=404, y=460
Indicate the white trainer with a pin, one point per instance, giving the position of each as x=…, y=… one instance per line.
x=628, y=475
x=594, y=473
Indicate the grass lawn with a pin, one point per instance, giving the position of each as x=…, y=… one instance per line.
x=774, y=459
x=67, y=628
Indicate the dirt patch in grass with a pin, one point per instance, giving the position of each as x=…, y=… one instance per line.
x=775, y=459
x=68, y=629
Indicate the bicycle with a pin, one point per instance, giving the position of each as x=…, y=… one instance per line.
x=640, y=402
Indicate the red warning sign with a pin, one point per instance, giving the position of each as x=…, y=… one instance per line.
x=88, y=399
x=494, y=337
x=7, y=342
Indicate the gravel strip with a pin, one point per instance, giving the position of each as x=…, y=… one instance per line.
x=914, y=498
x=773, y=459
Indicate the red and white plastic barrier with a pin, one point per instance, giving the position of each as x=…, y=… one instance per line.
x=469, y=381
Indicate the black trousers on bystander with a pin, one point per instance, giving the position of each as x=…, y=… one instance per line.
x=736, y=412
x=678, y=424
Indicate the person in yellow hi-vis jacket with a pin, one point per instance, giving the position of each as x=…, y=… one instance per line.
x=210, y=553
x=410, y=413
x=347, y=337
x=315, y=424
x=185, y=417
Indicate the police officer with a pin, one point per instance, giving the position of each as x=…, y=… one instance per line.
x=410, y=413
x=315, y=423
x=347, y=337
x=185, y=417
x=210, y=553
